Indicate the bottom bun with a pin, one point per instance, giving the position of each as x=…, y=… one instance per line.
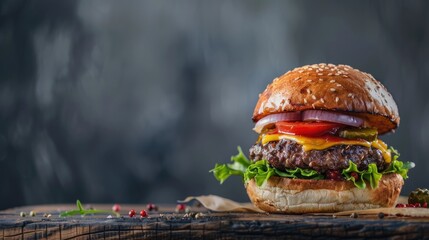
x=286, y=195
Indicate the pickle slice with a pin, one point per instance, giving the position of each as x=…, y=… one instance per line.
x=369, y=134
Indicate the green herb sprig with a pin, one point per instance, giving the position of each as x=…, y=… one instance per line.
x=81, y=211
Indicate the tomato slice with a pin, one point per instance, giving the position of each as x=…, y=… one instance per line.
x=307, y=128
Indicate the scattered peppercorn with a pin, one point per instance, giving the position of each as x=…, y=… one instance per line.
x=116, y=207
x=143, y=213
x=132, y=213
x=180, y=207
x=354, y=215
x=151, y=207
x=380, y=215
x=400, y=205
x=192, y=214
x=22, y=214
x=412, y=205
x=32, y=214
x=199, y=215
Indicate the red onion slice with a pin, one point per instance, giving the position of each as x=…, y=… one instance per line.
x=320, y=115
x=276, y=117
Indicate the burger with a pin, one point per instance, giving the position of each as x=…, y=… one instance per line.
x=318, y=148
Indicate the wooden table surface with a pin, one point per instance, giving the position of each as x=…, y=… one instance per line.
x=167, y=224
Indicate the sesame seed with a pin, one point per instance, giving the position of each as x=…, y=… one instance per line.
x=322, y=100
x=331, y=65
x=332, y=81
x=320, y=74
x=344, y=76
x=332, y=89
x=346, y=68
x=275, y=79
x=313, y=97
x=300, y=71
x=320, y=79
x=305, y=100
x=310, y=69
x=308, y=91
x=349, y=95
x=339, y=85
x=309, y=80
x=297, y=78
x=317, y=70
x=330, y=74
x=314, y=107
x=337, y=99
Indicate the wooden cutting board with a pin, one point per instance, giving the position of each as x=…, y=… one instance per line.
x=166, y=224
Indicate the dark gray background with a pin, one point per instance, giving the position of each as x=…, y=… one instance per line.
x=135, y=101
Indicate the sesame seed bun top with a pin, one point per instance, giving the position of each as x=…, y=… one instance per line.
x=330, y=87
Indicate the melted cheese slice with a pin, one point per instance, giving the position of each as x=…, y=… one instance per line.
x=309, y=143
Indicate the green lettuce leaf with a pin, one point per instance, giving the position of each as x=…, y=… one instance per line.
x=398, y=166
x=238, y=166
x=370, y=175
x=261, y=171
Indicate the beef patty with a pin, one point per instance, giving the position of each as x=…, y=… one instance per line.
x=289, y=154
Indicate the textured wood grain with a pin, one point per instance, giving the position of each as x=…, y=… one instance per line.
x=172, y=225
